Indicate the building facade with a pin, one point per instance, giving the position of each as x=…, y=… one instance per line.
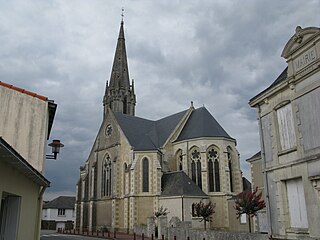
x=25, y=123
x=261, y=220
x=288, y=113
x=129, y=173
x=58, y=213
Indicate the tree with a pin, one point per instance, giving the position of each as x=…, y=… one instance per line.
x=249, y=203
x=161, y=212
x=203, y=210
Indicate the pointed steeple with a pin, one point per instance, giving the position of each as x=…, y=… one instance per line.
x=119, y=94
x=119, y=75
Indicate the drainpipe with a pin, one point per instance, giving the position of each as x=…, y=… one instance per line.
x=39, y=211
x=266, y=189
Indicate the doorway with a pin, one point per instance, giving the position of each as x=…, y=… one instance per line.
x=9, y=216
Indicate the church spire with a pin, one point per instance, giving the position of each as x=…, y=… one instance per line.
x=119, y=94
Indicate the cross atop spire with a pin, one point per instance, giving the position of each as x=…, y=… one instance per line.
x=122, y=14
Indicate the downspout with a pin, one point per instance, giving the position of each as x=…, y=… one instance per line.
x=39, y=211
x=266, y=189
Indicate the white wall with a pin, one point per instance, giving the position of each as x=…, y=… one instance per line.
x=52, y=214
x=24, y=124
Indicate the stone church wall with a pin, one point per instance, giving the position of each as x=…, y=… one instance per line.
x=104, y=213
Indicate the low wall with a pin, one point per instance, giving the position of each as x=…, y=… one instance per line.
x=183, y=233
x=139, y=229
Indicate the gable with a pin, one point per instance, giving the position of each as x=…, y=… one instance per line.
x=301, y=37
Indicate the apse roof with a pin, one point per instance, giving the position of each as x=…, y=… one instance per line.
x=144, y=134
x=179, y=184
x=202, y=124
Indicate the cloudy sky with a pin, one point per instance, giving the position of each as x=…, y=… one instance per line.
x=217, y=53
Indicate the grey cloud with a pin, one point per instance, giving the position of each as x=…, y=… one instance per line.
x=216, y=53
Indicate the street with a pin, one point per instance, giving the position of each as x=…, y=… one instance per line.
x=53, y=235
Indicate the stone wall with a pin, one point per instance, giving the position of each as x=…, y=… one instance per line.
x=181, y=230
x=182, y=234
x=139, y=229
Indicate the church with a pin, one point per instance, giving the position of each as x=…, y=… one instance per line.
x=136, y=165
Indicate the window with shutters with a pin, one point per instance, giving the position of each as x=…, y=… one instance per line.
x=296, y=203
x=61, y=212
x=287, y=136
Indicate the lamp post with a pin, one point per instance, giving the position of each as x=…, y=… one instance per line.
x=55, y=145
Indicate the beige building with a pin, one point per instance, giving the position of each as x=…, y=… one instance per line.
x=260, y=221
x=25, y=123
x=137, y=165
x=288, y=113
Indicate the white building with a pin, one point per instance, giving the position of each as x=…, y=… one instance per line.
x=59, y=213
x=288, y=113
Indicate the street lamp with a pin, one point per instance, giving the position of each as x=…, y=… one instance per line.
x=55, y=145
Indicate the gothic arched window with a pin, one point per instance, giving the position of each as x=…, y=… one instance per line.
x=125, y=105
x=213, y=169
x=93, y=187
x=199, y=178
x=217, y=175
x=196, y=166
x=179, y=159
x=106, y=176
x=145, y=175
x=229, y=152
x=211, y=175
x=125, y=170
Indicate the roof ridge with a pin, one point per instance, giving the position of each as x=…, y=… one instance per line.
x=33, y=94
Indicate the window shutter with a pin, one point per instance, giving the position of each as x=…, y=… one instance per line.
x=297, y=204
x=286, y=127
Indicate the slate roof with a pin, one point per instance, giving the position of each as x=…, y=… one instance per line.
x=255, y=156
x=144, y=134
x=282, y=77
x=65, y=202
x=202, y=124
x=179, y=184
x=247, y=186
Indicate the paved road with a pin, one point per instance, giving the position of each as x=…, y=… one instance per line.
x=52, y=235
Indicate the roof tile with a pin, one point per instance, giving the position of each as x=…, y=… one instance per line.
x=23, y=91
